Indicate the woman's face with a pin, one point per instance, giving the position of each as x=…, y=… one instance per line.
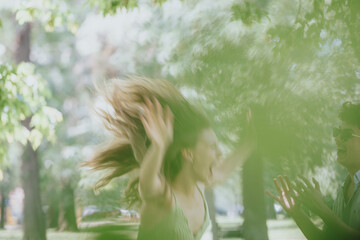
x=205, y=155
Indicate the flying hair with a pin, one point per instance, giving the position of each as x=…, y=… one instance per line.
x=125, y=151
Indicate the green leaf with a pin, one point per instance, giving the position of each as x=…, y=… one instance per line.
x=21, y=134
x=35, y=138
x=23, y=16
x=73, y=27
x=53, y=114
x=25, y=69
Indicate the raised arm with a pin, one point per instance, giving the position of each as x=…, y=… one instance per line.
x=226, y=166
x=158, y=124
x=238, y=157
x=310, y=196
x=289, y=203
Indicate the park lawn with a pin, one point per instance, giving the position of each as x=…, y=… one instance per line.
x=284, y=229
x=51, y=235
x=16, y=234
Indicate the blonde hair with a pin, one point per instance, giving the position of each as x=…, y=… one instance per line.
x=126, y=151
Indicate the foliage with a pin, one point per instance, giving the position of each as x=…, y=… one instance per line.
x=110, y=196
x=293, y=64
x=51, y=14
x=22, y=95
x=111, y=6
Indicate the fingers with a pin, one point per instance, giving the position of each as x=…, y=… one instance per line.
x=278, y=188
x=303, y=192
x=157, y=121
x=306, y=185
x=283, y=183
x=291, y=195
x=284, y=199
x=286, y=194
x=154, y=112
x=300, y=186
x=169, y=121
x=307, y=182
x=283, y=188
x=149, y=105
x=299, y=191
x=288, y=182
x=276, y=198
x=289, y=192
x=145, y=124
x=158, y=107
x=154, y=108
x=148, y=112
x=291, y=186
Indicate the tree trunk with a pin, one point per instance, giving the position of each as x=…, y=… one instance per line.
x=67, y=215
x=22, y=48
x=5, y=187
x=209, y=193
x=253, y=197
x=52, y=214
x=34, y=221
x=3, y=209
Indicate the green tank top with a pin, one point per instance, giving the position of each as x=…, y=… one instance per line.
x=174, y=226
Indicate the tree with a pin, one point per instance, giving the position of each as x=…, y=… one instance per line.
x=291, y=63
x=61, y=175
x=6, y=185
x=23, y=99
x=34, y=220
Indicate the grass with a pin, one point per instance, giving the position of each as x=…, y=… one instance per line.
x=284, y=229
x=16, y=234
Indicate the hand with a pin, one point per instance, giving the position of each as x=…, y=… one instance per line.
x=310, y=195
x=158, y=123
x=287, y=198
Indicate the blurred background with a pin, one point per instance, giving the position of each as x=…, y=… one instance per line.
x=292, y=62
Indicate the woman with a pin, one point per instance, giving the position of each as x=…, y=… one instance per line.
x=171, y=144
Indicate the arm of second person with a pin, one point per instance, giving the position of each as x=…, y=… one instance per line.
x=310, y=196
x=290, y=204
